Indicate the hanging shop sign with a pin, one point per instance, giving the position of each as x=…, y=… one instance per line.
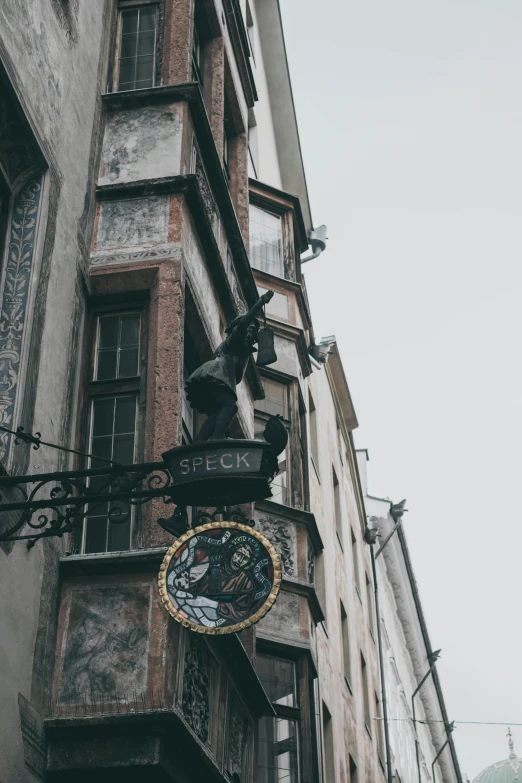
x=220, y=578
x=221, y=473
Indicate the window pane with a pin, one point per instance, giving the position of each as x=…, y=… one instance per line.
x=96, y=535
x=147, y=19
x=107, y=361
x=130, y=330
x=275, y=398
x=119, y=536
x=125, y=415
x=277, y=761
x=129, y=21
x=278, y=678
x=109, y=331
x=266, y=241
x=137, y=49
x=118, y=346
x=128, y=363
x=103, y=414
x=128, y=47
x=127, y=74
x=114, y=422
x=101, y=447
x=146, y=44
x=144, y=71
x=123, y=451
x=279, y=485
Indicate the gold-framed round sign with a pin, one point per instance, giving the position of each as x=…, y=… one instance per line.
x=220, y=578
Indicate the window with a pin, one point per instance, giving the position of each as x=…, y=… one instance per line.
x=253, y=145
x=278, y=736
x=337, y=508
x=313, y=434
x=266, y=241
x=117, y=347
x=355, y=561
x=379, y=729
x=136, y=61
x=328, y=759
x=320, y=583
x=366, y=693
x=340, y=440
x=275, y=402
x=113, y=417
x=228, y=138
x=353, y=770
x=369, y=601
x=197, y=55
x=347, y=665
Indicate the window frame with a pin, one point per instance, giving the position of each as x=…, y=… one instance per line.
x=297, y=474
x=197, y=53
x=365, y=684
x=314, y=438
x=370, y=602
x=345, y=642
x=284, y=712
x=113, y=388
x=355, y=563
x=133, y=5
x=338, y=511
x=264, y=416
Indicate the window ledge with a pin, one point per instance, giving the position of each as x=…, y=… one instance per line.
x=111, y=562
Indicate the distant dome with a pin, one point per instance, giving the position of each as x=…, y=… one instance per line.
x=506, y=771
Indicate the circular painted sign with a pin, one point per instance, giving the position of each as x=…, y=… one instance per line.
x=220, y=578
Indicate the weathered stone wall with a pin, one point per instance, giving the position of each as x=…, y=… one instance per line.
x=54, y=56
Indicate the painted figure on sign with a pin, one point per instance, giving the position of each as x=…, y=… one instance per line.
x=219, y=580
x=211, y=389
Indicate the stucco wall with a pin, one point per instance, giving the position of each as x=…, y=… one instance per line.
x=344, y=702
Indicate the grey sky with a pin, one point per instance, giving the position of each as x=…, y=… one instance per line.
x=410, y=117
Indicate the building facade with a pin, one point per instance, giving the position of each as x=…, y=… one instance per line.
x=421, y=747
x=151, y=185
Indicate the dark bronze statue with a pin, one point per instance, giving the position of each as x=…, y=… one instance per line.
x=211, y=389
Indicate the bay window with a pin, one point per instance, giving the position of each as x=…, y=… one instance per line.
x=278, y=751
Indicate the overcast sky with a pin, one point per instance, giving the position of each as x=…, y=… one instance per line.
x=410, y=117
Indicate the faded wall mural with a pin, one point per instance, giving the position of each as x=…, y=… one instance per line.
x=105, y=646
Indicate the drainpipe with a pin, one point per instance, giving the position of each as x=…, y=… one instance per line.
x=432, y=660
x=449, y=729
x=389, y=774
x=370, y=536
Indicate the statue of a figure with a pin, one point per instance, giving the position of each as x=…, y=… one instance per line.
x=211, y=389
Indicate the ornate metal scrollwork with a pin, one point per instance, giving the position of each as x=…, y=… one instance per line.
x=56, y=503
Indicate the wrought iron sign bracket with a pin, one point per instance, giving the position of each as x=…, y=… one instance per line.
x=52, y=504
x=213, y=474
